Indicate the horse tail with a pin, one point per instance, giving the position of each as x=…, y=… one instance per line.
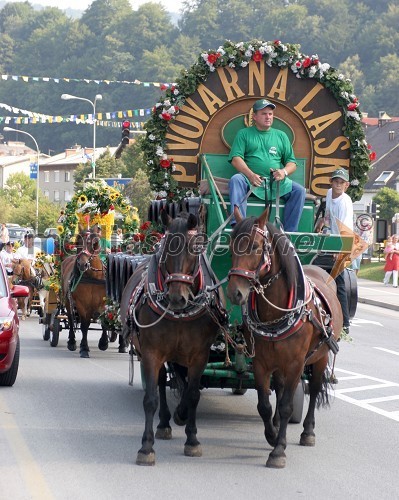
x=323, y=399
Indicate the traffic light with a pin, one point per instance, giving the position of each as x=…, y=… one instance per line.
x=125, y=133
x=375, y=209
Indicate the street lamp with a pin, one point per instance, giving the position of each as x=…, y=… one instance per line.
x=9, y=129
x=98, y=97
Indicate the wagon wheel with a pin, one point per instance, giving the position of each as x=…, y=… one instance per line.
x=299, y=396
x=55, y=331
x=46, y=327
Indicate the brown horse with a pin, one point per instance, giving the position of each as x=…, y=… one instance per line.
x=83, y=291
x=24, y=274
x=172, y=316
x=293, y=319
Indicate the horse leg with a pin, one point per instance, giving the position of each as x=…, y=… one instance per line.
x=103, y=342
x=84, y=346
x=71, y=344
x=278, y=386
x=308, y=437
x=151, y=369
x=277, y=457
x=164, y=430
x=192, y=447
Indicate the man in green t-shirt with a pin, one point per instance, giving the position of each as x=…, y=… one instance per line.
x=257, y=151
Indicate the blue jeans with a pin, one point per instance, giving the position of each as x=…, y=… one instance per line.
x=294, y=201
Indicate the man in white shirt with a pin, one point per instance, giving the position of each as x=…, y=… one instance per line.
x=339, y=207
x=27, y=250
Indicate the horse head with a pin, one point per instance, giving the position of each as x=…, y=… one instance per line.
x=260, y=253
x=24, y=271
x=180, y=258
x=89, y=247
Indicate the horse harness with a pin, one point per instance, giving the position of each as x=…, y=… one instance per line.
x=152, y=290
x=299, y=308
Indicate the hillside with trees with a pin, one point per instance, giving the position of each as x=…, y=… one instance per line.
x=112, y=42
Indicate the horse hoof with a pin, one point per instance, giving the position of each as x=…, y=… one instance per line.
x=165, y=433
x=276, y=462
x=23, y=317
x=192, y=451
x=307, y=440
x=103, y=346
x=122, y=349
x=143, y=459
x=84, y=353
x=71, y=346
x=177, y=420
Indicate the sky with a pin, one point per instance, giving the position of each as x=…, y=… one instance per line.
x=170, y=5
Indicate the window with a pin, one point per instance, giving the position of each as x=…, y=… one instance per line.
x=67, y=176
x=67, y=196
x=56, y=196
x=384, y=177
x=46, y=176
x=56, y=176
x=46, y=193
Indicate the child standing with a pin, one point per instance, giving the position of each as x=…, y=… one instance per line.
x=391, y=267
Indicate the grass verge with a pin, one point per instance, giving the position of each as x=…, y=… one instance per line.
x=373, y=271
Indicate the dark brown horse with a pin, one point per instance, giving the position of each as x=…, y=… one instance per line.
x=172, y=316
x=83, y=291
x=293, y=319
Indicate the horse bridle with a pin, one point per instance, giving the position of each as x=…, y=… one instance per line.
x=186, y=278
x=264, y=264
x=88, y=265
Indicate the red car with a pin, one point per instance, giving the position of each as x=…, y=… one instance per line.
x=9, y=328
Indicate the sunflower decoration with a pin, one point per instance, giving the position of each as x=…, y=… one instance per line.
x=97, y=203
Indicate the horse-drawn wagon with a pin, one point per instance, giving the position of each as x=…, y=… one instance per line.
x=186, y=147
x=76, y=290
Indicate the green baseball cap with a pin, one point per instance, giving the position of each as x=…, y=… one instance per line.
x=263, y=103
x=341, y=174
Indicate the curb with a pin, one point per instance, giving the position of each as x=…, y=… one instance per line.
x=377, y=303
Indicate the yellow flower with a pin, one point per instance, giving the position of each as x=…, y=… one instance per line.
x=60, y=229
x=83, y=199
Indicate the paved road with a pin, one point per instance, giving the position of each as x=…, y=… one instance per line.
x=70, y=429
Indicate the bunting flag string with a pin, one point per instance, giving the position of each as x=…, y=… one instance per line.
x=34, y=117
x=26, y=120
x=47, y=79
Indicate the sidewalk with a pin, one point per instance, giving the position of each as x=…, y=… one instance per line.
x=377, y=294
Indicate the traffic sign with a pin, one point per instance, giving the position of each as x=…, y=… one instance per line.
x=33, y=170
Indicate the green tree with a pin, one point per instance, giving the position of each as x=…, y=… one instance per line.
x=19, y=207
x=132, y=159
x=106, y=166
x=388, y=199
x=140, y=194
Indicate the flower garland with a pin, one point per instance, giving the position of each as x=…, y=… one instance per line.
x=110, y=318
x=238, y=55
x=96, y=204
x=52, y=282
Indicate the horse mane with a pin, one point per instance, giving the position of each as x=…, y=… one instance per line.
x=280, y=244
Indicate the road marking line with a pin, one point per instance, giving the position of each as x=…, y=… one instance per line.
x=393, y=415
x=381, y=400
x=387, y=350
x=35, y=483
x=366, y=403
x=366, y=388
